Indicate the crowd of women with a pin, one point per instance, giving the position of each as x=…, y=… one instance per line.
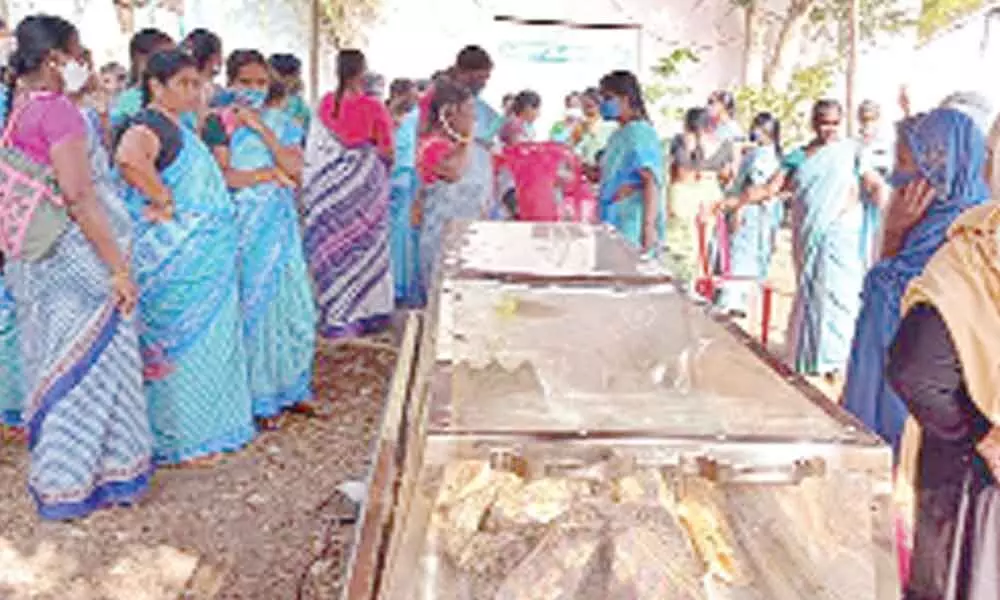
x=896, y=260
x=172, y=247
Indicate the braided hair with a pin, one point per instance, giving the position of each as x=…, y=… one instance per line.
x=446, y=93
x=351, y=64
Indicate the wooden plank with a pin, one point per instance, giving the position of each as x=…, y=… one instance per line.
x=374, y=525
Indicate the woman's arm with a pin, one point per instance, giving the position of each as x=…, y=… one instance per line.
x=925, y=370
x=760, y=193
x=136, y=159
x=72, y=170
x=650, y=209
x=288, y=159
x=237, y=179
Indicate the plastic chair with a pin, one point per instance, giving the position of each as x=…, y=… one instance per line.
x=706, y=284
x=549, y=183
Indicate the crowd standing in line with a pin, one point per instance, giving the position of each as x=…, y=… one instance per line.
x=161, y=304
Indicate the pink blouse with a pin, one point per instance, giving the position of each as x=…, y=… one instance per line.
x=361, y=119
x=41, y=122
x=432, y=150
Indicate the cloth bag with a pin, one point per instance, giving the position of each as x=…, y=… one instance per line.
x=27, y=186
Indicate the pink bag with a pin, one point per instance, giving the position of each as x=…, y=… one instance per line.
x=548, y=182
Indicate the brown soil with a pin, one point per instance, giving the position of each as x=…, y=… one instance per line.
x=265, y=523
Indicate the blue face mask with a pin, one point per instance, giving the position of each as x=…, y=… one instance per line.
x=250, y=98
x=901, y=179
x=610, y=110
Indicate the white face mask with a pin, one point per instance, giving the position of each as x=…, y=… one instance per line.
x=75, y=76
x=574, y=113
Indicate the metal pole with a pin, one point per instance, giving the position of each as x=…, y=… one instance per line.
x=314, y=43
x=852, y=65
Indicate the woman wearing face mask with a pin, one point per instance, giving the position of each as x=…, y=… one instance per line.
x=827, y=248
x=456, y=174
x=144, y=44
x=592, y=133
x=632, y=178
x=262, y=158
x=930, y=192
x=85, y=410
x=345, y=205
x=185, y=257
x=403, y=243
x=753, y=226
x=563, y=129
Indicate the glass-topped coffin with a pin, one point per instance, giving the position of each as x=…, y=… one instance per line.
x=516, y=357
x=526, y=251
x=642, y=518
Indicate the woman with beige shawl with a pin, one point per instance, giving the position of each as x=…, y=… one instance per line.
x=945, y=365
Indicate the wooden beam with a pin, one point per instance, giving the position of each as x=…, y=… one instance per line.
x=314, y=46
x=853, y=27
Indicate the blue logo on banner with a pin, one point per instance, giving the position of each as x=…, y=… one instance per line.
x=554, y=53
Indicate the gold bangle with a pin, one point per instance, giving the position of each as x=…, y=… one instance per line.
x=120, y=275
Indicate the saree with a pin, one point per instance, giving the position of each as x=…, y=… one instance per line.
x=11, y=393
x=279, y=316
x=345, y=217
x=85, y=410
x=125, y=106
x=633, y=148
x=826, y=252
x=961, y=282
x=949, y=151
x=191, y=334
x=753, y=229
x=469, y=198
x=403, y=239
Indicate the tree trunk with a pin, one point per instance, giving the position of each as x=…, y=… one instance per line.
x=126, y=16
x=753, y=57
x=780, y=63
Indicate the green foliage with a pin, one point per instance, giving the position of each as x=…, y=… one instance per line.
x=666, y=88
x=936, y=15
x=791, y=105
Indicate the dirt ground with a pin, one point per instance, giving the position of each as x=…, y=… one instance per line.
x=266, y=524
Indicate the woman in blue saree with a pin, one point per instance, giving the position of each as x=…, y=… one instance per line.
x=11, y=393
x=185, y=256
x=456, y=175
x=824, y=178
x=939, y=173
x=262, y=161
x=403, y=239
x=84, y=408
x=753, y=226
x=632, y=173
